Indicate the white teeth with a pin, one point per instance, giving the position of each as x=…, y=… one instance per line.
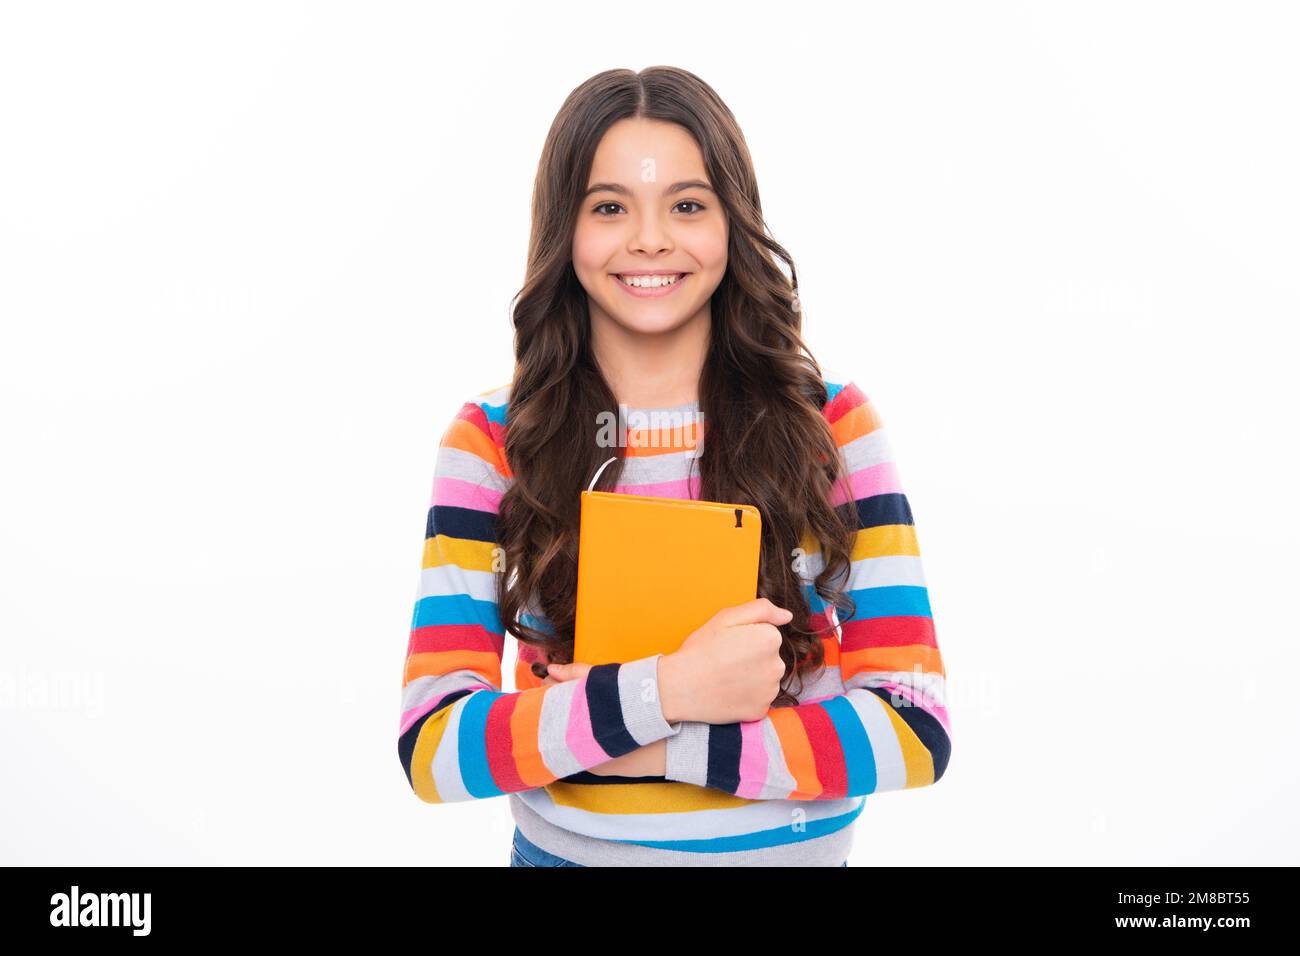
x=648, y=282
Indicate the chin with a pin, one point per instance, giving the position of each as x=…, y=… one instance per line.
x=650, y=325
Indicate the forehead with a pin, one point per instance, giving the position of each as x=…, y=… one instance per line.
x=626, y=146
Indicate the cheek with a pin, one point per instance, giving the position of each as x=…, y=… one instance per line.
x=710, y=250
x=591, y=250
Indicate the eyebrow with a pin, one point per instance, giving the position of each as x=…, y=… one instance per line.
x=624, y=191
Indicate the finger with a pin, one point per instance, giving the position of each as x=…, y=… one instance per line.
x=571, y=671
x=759, y=610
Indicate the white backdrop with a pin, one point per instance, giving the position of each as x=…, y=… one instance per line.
x=253, y=256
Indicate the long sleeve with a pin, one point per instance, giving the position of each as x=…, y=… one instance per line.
x=460, y=736
x=889, y=730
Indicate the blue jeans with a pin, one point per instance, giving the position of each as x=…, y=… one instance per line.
x=524, y=852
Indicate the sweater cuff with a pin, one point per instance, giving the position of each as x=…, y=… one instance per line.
x=686, y=756
x=638, y=694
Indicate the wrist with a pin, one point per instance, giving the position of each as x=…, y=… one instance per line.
x=672, y=692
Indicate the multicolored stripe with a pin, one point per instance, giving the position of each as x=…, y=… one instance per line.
x=889, y=728
x=460, y=736
x=873, y=720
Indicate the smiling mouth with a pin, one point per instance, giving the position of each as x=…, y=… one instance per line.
x=650, y=282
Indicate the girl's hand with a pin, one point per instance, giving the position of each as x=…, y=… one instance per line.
x=647, y=761
x=729, y=670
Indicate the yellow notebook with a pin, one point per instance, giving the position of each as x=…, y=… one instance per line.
x=652, y=570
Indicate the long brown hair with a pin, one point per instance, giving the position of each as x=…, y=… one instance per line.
x=761, y=393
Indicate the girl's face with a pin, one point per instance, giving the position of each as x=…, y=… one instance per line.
x=649, y=209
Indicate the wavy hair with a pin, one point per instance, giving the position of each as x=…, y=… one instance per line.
x=761, y=393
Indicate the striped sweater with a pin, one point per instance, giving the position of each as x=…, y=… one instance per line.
x=782, y=790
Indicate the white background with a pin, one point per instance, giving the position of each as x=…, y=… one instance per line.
x=253, y=257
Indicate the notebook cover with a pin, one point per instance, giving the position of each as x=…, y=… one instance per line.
x=652, y=570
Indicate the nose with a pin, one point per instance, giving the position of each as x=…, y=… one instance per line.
x=650, y=237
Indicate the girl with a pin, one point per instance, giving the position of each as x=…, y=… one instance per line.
x=653, y=288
